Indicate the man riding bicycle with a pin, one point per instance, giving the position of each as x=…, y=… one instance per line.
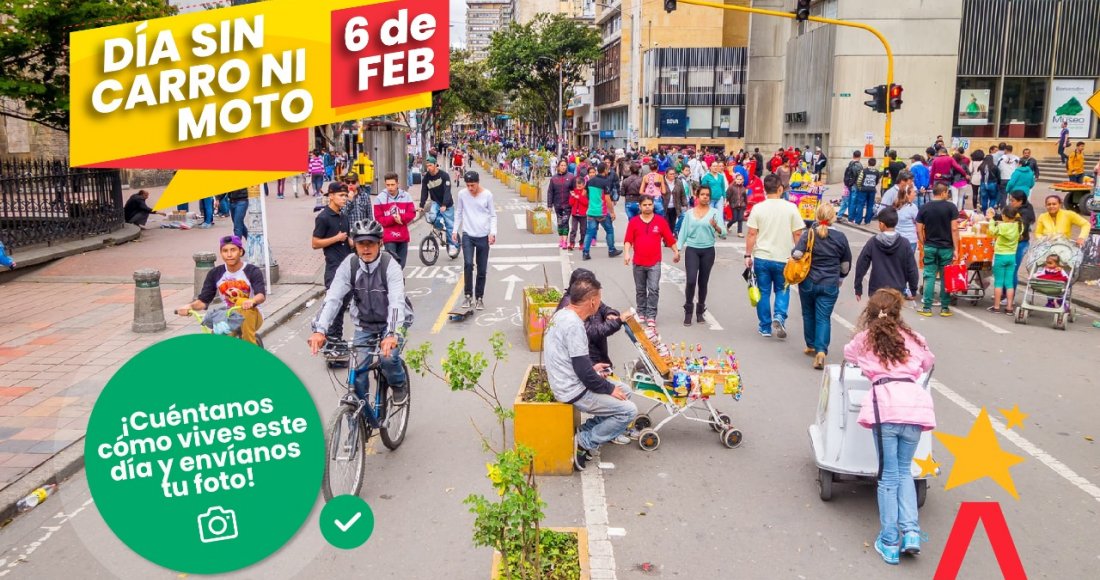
x=379, y=309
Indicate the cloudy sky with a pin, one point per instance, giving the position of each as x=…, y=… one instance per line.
x=458, y=20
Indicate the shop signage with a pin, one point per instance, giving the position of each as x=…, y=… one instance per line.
x=1068, y=102
x=674, y=122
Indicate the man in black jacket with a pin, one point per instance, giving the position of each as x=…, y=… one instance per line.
x=605, y=322
x=892, y=257
x=437, y=188
x=558, y=191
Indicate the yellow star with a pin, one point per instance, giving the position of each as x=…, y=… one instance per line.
x=927, y=466
x=978, y=455
x=1014, y=416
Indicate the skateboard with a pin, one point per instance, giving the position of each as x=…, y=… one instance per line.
x=460, y=315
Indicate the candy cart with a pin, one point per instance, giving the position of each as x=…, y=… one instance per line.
x=681, y=380
x=1077, y=196
x=807, y=201
x=976, y=254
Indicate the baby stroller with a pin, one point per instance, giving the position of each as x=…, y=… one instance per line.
x=1039, y=293
x=844, y=449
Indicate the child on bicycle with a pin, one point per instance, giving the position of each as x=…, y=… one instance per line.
x=238, y=283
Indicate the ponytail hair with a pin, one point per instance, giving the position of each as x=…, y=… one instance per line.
x=886, y=331
x=826, y=214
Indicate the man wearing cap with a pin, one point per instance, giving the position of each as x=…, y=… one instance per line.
x=437, y=188
x=373, y=280
x=330, y=235
x=476, y=221
x=360, y=206
x=238, y=283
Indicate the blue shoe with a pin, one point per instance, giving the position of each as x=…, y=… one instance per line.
x=910, y=543
x=889, y=553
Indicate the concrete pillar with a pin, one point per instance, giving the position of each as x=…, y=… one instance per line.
x=148, y=305
x=204, y=262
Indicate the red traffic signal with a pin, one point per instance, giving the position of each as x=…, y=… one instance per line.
x=895, y=97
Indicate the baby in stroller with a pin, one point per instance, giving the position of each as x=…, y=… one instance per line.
x=1053, y=271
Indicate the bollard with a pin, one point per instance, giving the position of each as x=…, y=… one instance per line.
x=204, y=262
x=148, y=305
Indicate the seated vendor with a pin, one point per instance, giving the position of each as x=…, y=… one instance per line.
x=576, y=380
x=605, y=322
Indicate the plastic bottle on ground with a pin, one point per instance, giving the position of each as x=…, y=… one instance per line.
x=36, y=497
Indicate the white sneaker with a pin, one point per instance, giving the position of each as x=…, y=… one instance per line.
x=621, y=440
x=467, y=302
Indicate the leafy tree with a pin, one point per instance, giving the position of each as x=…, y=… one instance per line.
x=524, y=60
x=470, y=93
x=34, y=50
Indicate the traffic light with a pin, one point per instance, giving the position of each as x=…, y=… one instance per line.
x=802, y=12
x=895, y=97
x=670, y=6
x=878, y=98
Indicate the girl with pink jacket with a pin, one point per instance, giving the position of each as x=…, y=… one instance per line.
x=893, y=357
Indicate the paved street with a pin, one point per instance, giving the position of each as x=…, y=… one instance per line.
x=692, y=508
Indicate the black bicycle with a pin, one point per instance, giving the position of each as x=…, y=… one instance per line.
x=433, y=241
x=356, y=420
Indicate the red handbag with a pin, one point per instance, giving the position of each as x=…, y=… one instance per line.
x=954, y=277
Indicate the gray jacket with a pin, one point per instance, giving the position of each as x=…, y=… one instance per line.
x=341, y=286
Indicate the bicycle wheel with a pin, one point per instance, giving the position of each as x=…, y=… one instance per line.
x=397, y=416
x=429, y=250
x=345, y=464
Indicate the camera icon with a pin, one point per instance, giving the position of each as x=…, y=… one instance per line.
x=217, y=524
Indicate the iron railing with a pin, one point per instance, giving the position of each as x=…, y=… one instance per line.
x=44, y=201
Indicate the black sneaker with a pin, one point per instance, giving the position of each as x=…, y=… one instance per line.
x=580, y=456
x=586, y=257
x=399, y=395
x=614, y=253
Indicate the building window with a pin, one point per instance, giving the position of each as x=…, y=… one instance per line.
x=1022, y=107
x=975, y=107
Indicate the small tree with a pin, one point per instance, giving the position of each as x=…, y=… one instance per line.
x=511, y=525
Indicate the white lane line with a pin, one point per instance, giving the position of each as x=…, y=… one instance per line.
x=600, y=551
x=1027, y=446
x=990, y=326
x=522, y=259
x=543, y=246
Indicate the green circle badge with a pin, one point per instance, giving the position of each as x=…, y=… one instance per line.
x=204, y=454
x=347, y=521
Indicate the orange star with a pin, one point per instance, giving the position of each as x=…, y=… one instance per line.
x=978, y=455
x=1014, y=416
x=927, y=465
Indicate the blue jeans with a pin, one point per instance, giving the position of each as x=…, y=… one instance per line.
x=318, y=180
x=862, y=206
x=239, y=209
x=989, y=194
x=632, y=209
x=447, y=216
x=845, y=203
x=223, y=204
x=1021, y=249
x=207, y=205
x=897, y=495
x=817, y=311
x=594, y=228
x=393, y=369
x=769, y=276
x=610, y=418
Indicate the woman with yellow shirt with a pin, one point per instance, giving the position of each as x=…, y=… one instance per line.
x=1059, y=222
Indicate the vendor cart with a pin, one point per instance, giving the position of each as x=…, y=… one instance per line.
x=1077, y=196
x=807, y=201
x=682, y=386
x=976, y=253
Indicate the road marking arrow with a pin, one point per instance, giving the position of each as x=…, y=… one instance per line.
x=511, y=280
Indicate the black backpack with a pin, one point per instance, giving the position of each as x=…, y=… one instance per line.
x=385, y=257
x=851, y=174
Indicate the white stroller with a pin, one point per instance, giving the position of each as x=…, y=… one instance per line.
x=1053, y=296
x=843, y=449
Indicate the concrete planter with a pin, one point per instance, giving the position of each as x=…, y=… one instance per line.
x=582, y=553
x=541, y=221
x=536, y=316
x=546, y=428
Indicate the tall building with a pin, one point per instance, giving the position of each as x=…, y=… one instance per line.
x=670, y=79
x=978, y=71
x=483, y=17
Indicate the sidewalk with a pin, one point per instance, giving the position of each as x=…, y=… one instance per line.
x=65, y=330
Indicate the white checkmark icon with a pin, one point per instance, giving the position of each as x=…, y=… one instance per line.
x=351, y=522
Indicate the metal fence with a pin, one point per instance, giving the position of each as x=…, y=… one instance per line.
x=46, y=201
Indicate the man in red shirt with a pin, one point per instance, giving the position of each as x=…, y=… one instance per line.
x=644, y=235
x=456, y=164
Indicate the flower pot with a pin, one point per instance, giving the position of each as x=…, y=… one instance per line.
x=535, y=318
x=582, y=553
x=540, y=221
x=546, y=428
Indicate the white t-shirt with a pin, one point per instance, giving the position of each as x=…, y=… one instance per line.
x=1008, y=165
x=775, y=221
x=475, y=215
x=565, y=338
